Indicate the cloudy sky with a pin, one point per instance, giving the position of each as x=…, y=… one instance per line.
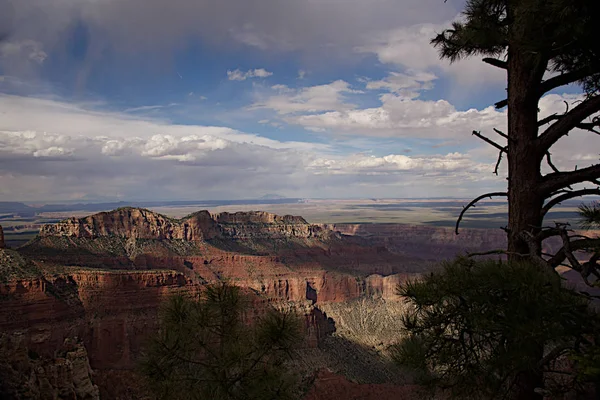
x=229, y=99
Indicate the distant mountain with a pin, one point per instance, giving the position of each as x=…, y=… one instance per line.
x=15, y=208
x=272, y=196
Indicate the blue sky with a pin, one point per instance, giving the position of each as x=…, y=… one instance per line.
x=224, y=99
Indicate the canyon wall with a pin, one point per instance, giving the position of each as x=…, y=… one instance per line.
x=112, y=314
x=101, y=279
x=144, y=224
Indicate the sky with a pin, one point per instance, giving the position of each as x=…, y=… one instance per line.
x=105, y=100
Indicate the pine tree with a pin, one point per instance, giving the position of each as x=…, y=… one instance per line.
x=590, y=215
x=527, y=39
x=473, y=328
x=214, y=349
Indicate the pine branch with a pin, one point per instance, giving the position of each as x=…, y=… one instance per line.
x=560, y=180
x=549, y=119
x=590, y=126
x=475, y=201
x=554, y=117
x=567, y=196
x=568, y=122
x=590, y=215
x=501, y=103
x=504, y=135
x=564, y=79
x=496, y=63
x=553, y=83
x=490, y=141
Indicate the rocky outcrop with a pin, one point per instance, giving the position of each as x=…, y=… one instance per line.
x=103, y=277
x=24, y=374
x=124, y=222
x=2, y=245
x=431, y=243
x=136, y=223
x=328, y=386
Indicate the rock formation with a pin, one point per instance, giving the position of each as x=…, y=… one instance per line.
x=24, y=374
x=144, y=224
x=2, y=245
x=102, y=278
x=329, y=386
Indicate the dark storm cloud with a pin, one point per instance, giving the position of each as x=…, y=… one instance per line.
x=164, y=25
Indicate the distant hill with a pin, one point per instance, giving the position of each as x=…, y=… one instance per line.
x=23, y=210
x=15, y=208
x=272, y=196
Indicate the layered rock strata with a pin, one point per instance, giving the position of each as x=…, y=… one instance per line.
x=102, y=278
x=138, y=223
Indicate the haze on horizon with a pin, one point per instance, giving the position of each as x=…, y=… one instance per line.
x=223, y=99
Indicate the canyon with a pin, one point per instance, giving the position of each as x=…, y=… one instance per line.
x=95, y=284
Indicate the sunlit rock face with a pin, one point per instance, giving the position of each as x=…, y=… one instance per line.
x=136, y=223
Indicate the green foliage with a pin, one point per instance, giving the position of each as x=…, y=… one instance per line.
x=214, y=349
x=561, y=31
x=590, y=215
x=588, y=364
x=13, y=266
x=475, y=326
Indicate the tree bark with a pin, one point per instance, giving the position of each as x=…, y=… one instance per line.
x=524, y=200
x=525, y=72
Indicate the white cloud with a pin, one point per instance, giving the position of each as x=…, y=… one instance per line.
x=68, y=151
x=409, y=48
x=402, y=117
x=407, y=85
x=305, y=100
x=30, y=50
x=436, y=165
x=238, y=75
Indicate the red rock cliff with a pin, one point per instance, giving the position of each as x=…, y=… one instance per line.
x=144, y=224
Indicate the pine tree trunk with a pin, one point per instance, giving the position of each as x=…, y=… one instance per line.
x=525, y=203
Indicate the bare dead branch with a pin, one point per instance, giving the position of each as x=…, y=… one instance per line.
x=496, y=145
x=554, y=82
x=568, y=252
x=560, y=180
x=498, y=163
x=475, y=201
x=567, y=196
x=496, y=63
x=581, y=244
x=501, y=103
x=549, y=160
x=487, y=253
x=535, y=249
x=564, y=79
x=549, y=119
x=555, y=116
x=554, y=354
x=590, y=267
x=590, y=126
x=567, y=122
x=499, y=132
x=551, y=164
